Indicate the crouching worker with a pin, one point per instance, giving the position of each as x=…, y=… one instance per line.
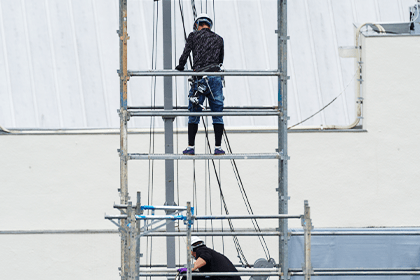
x=208, y=260
x=208, y=52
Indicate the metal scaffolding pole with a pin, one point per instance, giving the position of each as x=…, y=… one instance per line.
x=214, y=217
x=307, y=227
x=124, y=77
x=169, y=128
x=129, y=256
x=282, y=135
x=225, y=108
x=189, y=255
x=203, y=156
x=175, y=113
x=172, y=73
x=139, y=211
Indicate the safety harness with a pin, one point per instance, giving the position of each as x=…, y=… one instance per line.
x=203, y=86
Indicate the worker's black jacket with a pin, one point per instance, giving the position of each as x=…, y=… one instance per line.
x=215, y=262
x=207, y=48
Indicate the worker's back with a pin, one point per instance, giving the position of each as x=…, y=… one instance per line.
x=215, y=262
x=207, y=48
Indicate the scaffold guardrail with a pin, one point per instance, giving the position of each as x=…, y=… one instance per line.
x=152, y=73
x=186, y=113
x=139, y=156
x=188, y=219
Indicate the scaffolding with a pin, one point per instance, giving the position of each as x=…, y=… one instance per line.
x=132, y=233
x=129, y=220
x=131, y=215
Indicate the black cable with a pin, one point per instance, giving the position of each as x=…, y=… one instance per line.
x=181, y=9
x=323, y=108
x=222, y=197
x=235, y=239
x=245, y=198
x=209, y=180
x=214, y=18
x=195, y=194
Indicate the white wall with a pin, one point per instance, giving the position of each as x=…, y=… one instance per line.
x=354, y=179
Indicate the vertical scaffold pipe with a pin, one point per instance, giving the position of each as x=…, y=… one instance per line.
x=138, y=212
x=282, y=130
x=131, y=243
x=169, y=129
x=123, y=74
x=189, y=258
x=307, y=227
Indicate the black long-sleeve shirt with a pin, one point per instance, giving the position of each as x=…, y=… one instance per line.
x=207, y=48
x=215, y=262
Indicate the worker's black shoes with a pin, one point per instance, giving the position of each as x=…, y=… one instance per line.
x=219, y=151
x=189, y=151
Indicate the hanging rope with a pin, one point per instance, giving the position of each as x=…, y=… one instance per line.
x=235, y=239
x=193, y=9
x=245, y=198
x=222, y=197
x=236, y=172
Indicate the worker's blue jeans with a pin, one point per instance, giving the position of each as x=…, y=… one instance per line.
x=214, y=96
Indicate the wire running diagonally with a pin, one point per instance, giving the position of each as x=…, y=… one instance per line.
x=194, y=10
x=235, y=239
x=237, y=175
x=323, y=108
x=245, y=198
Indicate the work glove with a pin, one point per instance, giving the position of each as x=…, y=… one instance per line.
x=179, y=68
x=182, y=270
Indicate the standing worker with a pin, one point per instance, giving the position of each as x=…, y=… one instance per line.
x=208, y=52
x=208, y=260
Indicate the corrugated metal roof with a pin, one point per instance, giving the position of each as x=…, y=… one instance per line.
x=58, y=59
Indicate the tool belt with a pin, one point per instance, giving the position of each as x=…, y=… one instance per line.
x=208, y=68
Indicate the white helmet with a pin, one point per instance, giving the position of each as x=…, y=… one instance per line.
x=202, y=18
x=194, y=240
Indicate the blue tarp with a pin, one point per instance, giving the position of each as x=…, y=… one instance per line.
x=348, y=248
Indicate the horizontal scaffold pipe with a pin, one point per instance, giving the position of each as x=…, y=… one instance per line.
x=357, y=273
x=186, y=113
x=321, y=270
x=350, y=233
x=242, y=217
x=251, y=233
x=218, y=217
x=152, y=73
x=186, y=107
x=142, y=274
x=160, y=266
x=150, y=207
x=135, y=156
x=240, y=269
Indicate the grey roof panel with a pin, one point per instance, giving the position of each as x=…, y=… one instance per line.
x=58, y=59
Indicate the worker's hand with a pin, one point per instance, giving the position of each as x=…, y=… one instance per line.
x=182, y=270
x=179, y=68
